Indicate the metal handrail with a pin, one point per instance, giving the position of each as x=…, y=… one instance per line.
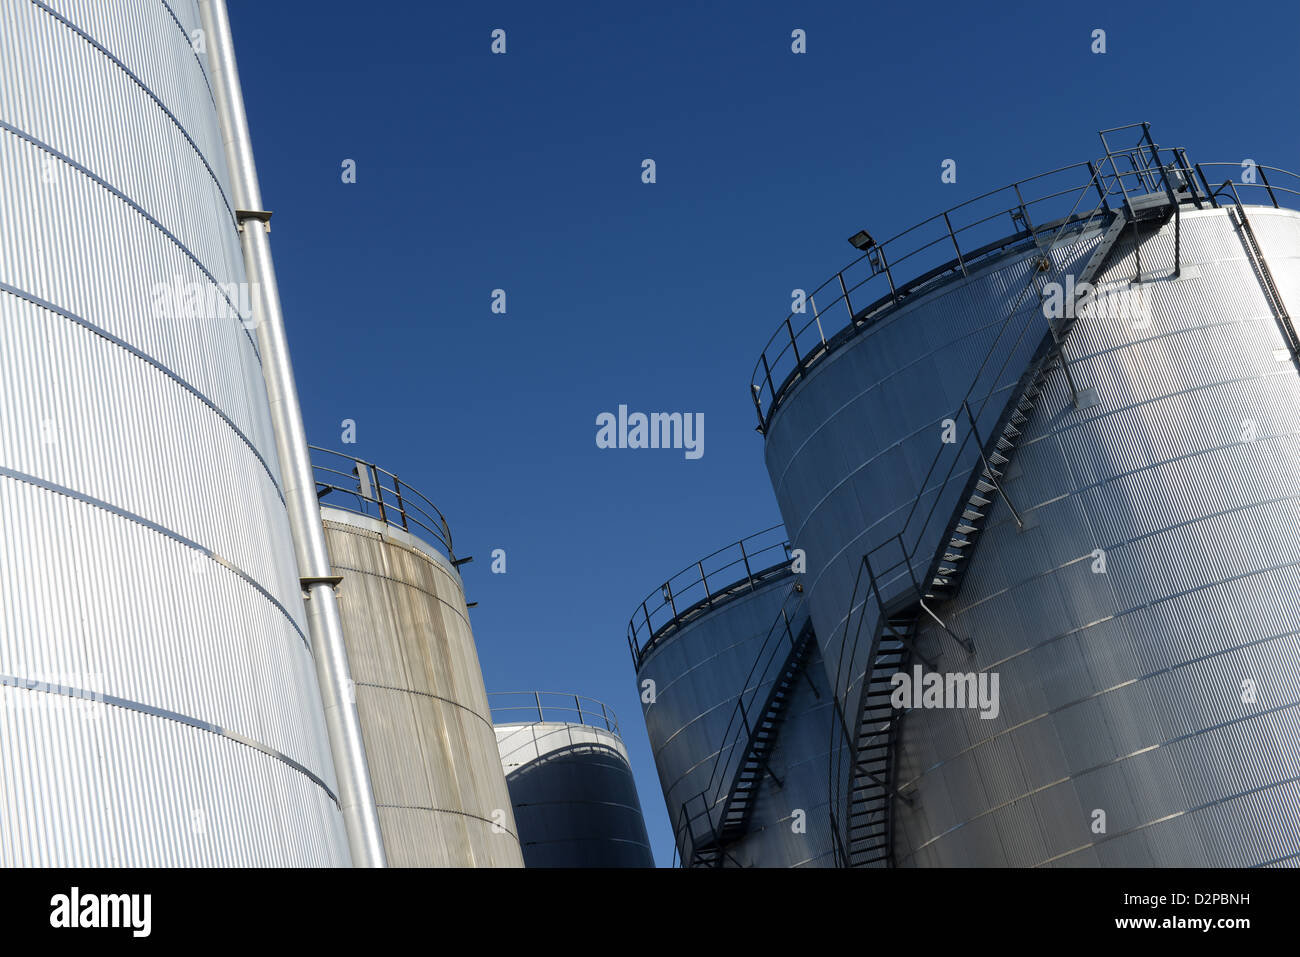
x=841, y=732
x=733, y=570
x=792, y=349
x=1272, y=189
x=782, y=637
x=596, y=714
x=370, y=490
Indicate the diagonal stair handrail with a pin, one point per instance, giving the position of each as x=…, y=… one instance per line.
x=696, y=826
x=984, y=473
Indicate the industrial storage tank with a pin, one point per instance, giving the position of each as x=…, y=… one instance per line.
x=737, y=708
x=160, y=699
x=432, y=752
x=1055, y=446
x=570, y=781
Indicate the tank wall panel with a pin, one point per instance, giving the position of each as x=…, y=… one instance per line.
x=1124, y=690
x=849, y=448
x=424, y=712
x=145, y=552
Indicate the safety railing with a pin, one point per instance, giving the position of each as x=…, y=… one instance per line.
x=354, y=485
x=725, y=574
x=894, y=572
x=899, y=569
x=697, y=817
x=526, y=707
x=949, y=245
x=1252, y=180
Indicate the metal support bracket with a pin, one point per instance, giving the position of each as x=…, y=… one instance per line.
x=966, y=643
x=259, y=215
x=309, y=583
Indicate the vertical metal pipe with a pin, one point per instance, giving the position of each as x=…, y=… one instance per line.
x=328, y=649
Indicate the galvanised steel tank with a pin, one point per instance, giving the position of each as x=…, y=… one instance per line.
x=1065, y=457
x=570, y=781
x=158, y=700
x=737, y=708
x=433, y=759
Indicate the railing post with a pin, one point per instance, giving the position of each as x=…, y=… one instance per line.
x=1209, y=193
x=704, y=579
x=1186, y=169
x=818, y=319
x=578, y=702
x=540, y=715
x=955, y=245
x=668, y=596
x=401, y=506
x=749, y=575
x=767, y=374
x=884, y=263
x=1024, y=211
x=794, y=345
x=1268, y=187
x=754, y=393
x=845, y=290
x=379, y=492
x=1094, y=175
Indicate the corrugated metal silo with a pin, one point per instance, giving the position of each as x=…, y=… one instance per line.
x=570, y=781
x=160, y=700
x=1092, y=504
x=432, y=752
x=737, y=708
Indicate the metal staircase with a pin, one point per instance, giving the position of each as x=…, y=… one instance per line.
x=948, y=566
x=867, y=838
x=733, y=821
x=704, y=831
x=870, y=837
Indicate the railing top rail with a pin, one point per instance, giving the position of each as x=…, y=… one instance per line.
x=346, y=482
x=530, y=707
x=719, y=576
x=817, y=325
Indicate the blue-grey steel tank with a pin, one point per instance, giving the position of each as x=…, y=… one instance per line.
x=1105, y=524
x=571, y=785
x=160, y=703
x=710, y=646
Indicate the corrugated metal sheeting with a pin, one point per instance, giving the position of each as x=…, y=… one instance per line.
x=699, y=674
x=848, y=449
x=1163, y=690
x=145, y=553
x=433, y=758
x=574, y=796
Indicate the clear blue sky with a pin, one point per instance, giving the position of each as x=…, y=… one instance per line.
x=523, y=172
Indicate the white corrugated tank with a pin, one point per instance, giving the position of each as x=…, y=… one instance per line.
x=160, y=697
